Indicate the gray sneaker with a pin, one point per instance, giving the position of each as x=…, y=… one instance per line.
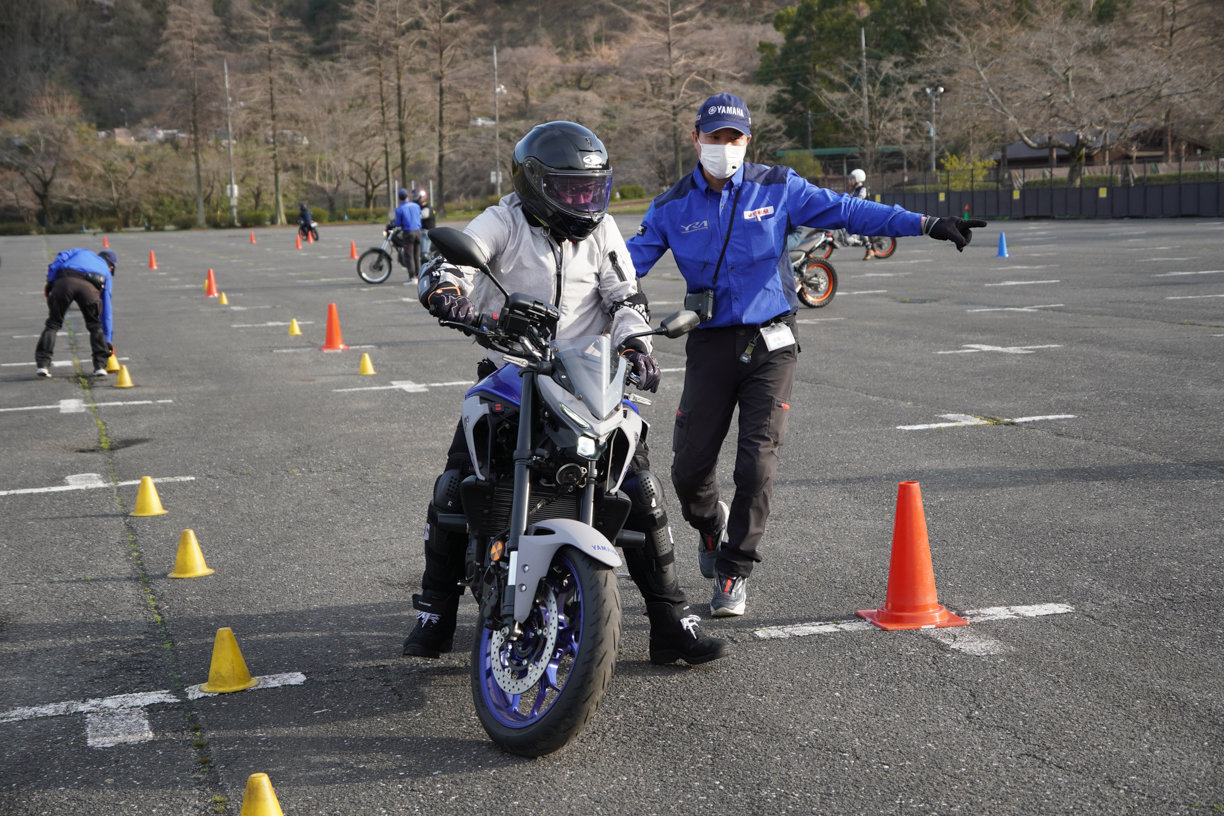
x=709, y=545
x=99, y=372
x=43, y=371
x=730, y=596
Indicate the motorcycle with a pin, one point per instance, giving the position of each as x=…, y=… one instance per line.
x=826, y=242
x=374, y=265
x=308, y=232
x=551, y=435
x=815, y=278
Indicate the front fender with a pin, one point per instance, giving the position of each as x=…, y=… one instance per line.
x=537, y=547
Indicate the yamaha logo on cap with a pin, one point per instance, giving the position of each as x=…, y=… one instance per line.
x=724, y=110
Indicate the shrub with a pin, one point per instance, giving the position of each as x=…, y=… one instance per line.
x=108, y=224
x=17, y=228
x=253, y=218
x=630, y=191
x=183, y=222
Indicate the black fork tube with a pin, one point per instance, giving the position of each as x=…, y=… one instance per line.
x=523, y=450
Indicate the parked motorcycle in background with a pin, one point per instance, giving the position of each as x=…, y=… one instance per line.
x=551, y=435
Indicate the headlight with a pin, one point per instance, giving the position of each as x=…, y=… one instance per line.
x=586, y=447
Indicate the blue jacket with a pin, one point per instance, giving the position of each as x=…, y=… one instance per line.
x=755, y=282
x=83, y=260
x=408, y=215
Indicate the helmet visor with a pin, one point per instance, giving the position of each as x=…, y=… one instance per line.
x=579, y=193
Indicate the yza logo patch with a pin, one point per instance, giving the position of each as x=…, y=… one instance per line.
x=696, y=226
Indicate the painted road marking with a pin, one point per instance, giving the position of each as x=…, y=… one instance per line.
x=1176, y=274
x=807, y=320
x=865, y=292
x=1021, y=283
x=1018, y=308
x=78, y=406
x=270, y=323
x=968, y=420
x=991, y=613
x=970, y=348
x=328, y=351
x=1193, y=297
x=121, y=719
x=88, y=481
x=57, y=363
x=407, y=385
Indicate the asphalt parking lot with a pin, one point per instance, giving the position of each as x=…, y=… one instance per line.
x=1060, y=407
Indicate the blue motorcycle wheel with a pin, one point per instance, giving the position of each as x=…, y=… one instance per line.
x=535, y=694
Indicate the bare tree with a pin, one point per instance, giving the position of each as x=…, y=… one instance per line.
x=188, y=49
x=41, y=148
x=888, y=91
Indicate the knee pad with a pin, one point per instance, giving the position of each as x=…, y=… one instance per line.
x=645, y=493
x=446, y=491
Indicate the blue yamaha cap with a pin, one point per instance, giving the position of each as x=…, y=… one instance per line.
x=724, y=110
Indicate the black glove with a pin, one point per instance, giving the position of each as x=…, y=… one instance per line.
x=110, y=347
x=955, y=230
x=447, y=305
x=644, y=367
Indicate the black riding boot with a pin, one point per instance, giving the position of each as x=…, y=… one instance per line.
x=674, y=637
x=435, y=628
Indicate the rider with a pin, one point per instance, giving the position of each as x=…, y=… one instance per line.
x=549, y=239
x=428, y=220
x=305, y=219
x=408, y=219
x=858, y=189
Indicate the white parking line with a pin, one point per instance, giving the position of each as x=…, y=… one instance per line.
x=406, y=385
x=991, y=613
x=968, y=420
x=1018, y=308
x=121, y=719
x=88, y=481
x=78, y=406
x=1193, y=297
x=270, y=323
x=971, y=348
x=1178, y=274
x=1021, y=283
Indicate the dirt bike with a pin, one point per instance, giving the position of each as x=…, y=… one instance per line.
x=374, y=265
x=311, y=232
x=815, y=278
x=826, y=242
x=551, y=435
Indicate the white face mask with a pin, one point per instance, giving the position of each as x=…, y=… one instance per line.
x=722, y=160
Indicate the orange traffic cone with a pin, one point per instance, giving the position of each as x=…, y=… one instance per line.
x=910, y=602
x=105, y=243
x=310, y=237
x=152, y=260
x=333, y=341
x=298, y=239
x=353, y=249
x=210, y=286
x=252, y=236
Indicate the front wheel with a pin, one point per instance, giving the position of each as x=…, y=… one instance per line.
x=536, y=693
x=314, y=235
x=884, y=245
x=374, y=265
x=817, y=283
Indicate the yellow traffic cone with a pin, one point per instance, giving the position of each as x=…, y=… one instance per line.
x=366, y=366
x=224, y=301
x=294, y=328
x=147, y=502
x=124, y=380
x=189, y=563
x=260, y=799
x=112, y=364
x=228, y=671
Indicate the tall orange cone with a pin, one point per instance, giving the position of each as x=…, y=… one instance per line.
x=298, y=238
x=105, y=243
x=252, y=236
x=310, y=237
x=152, y=260
x=147, y=501
x=189, y=561
x=333, y=341
x=260, y=799
x=210, y=285
x=228, y=671
x=910, y=602
x=353, y=250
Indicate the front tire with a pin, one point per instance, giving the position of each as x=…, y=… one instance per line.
x=374, y=266
x=536, y=694
x=314, y=234
x=817, y=283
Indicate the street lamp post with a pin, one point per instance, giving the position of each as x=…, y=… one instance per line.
x=232, y=189
x=498, y=90
x=933, y=93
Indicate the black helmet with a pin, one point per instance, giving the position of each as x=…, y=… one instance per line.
x=563, y=179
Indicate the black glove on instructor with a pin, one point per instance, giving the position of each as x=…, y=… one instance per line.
x=956, y=230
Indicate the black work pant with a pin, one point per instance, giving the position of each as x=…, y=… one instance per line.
x=716, y=382
x=412, y=251
x=65, y=290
